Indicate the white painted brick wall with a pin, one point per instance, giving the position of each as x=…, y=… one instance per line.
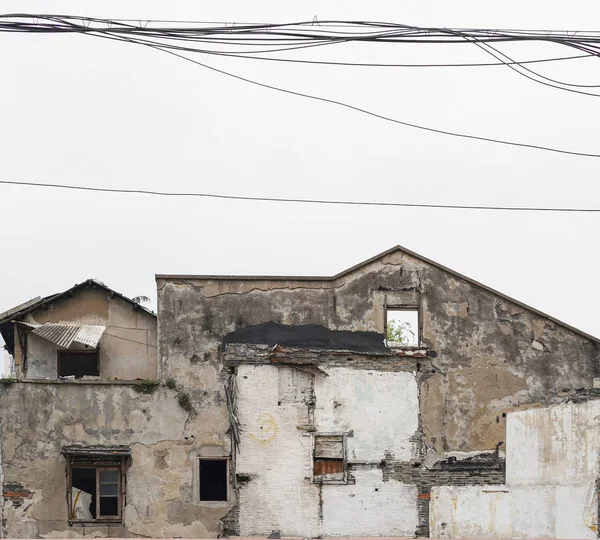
x=280, y=495
x=371, y=507
x=380, y=407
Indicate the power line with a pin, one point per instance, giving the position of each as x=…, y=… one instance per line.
x=300, y=201
x=294, y=33
x=381, y=65
x=377, y=115
x=495, y=53
x=166, y=50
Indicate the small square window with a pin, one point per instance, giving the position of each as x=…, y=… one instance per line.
x=78, y=363
x=402, y=327
x=214, y=479
x=329, y=463
x=96, y=493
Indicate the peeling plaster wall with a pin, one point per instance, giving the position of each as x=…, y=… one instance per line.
x=128, y=348
x=493, y=356
x=38, y=419
x=381, y=408
x=550, y=511
x=559, y=445
x=552, y=470
x=488, y=357
x=275, y=459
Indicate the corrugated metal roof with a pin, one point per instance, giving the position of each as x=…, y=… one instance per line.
x=90, y=335
x=64, y=335
x=27, y=325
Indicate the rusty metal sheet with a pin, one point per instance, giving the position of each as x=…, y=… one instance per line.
x=328, y=466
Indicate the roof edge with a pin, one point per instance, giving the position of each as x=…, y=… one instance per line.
x=31, y=307
x=375, y=258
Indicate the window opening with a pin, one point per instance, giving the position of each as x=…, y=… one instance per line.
x=402, y=327
x=95, y=493
x=78, y=363
x=329, y=464
x=214, y=479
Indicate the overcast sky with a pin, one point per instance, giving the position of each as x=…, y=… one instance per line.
x=79, y=110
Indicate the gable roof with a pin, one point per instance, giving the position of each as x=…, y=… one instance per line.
x=375, y=259
x=18, y=312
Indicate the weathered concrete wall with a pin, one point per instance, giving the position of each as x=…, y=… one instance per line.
x=558, y=445
x=486, y=356
x=380, y=409
x=160, y=496
x=128, y=348
x=473, y=332
x=552, y=470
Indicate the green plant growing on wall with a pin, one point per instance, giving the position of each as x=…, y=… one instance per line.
x=7, y=380
x=400, y=332
x=146, y=386
x=171, y=383
x=185, y=401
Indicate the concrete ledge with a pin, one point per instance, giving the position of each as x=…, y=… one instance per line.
x=79, y=381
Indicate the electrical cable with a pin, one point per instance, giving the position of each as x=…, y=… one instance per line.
x=289, y=34
x=380, y=116
x=512, y=63
x=301, y=201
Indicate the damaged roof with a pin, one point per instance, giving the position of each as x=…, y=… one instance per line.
x=375, y=259
x=59, y=333
x=64, y=335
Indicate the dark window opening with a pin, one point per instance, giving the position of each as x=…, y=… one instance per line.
x=78, y=363
x=109, y=484
x=95, y=493
x=402, y=327
x=213, y=479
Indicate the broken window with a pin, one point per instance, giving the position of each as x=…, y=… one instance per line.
x=329, y=464
x=402, y=327
x=96, y=493
x=96, y=482
x=214, y=479
x=78, y=363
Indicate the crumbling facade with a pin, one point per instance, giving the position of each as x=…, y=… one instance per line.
x=333, y=432
x=80, y=429
x=282, y=404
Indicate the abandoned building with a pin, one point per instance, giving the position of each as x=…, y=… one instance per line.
x=397, y=398
x=77, y=356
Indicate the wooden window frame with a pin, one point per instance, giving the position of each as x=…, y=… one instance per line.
x=318, y=479
x=76, y=351
x=227, y=461
x=98, y=466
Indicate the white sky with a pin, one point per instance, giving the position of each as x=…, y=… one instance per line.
x=85, y=111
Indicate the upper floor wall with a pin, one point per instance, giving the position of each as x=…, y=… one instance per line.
x=126, y=349
x=490, y=354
